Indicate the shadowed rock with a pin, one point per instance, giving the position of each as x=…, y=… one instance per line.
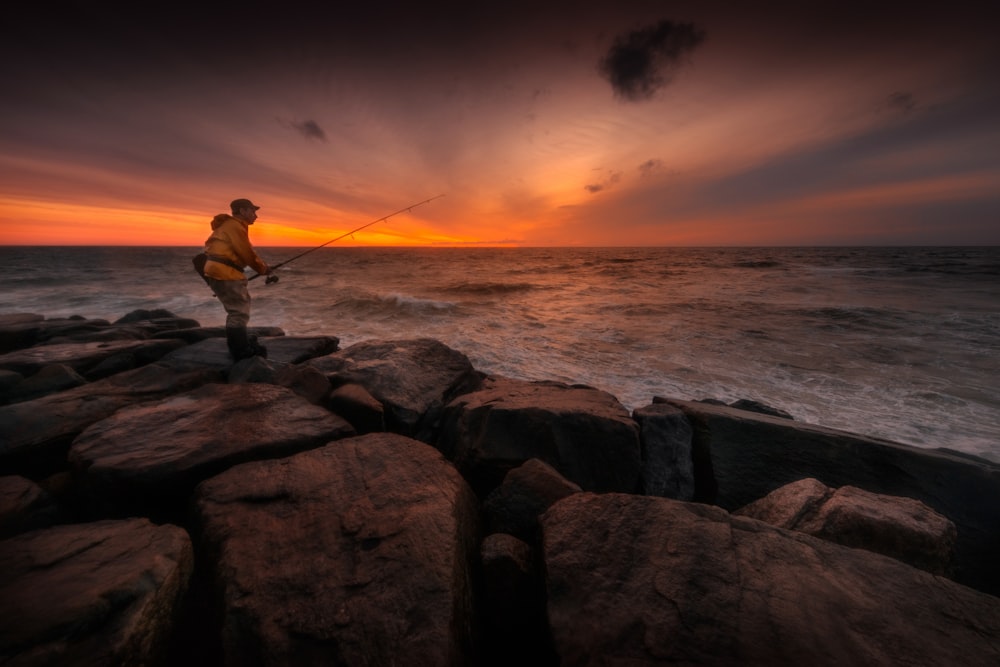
x=356, y=405
x=752, y=455
x=514, y=604
x=38, y=432
x=667, y=465
x=103, y=593
x=582, y=432
x=21, y=330
x=656, y=581
x=526, y=492
x=304, y=380
x=901, y=528
x=156, y=453
x=357, y=553
x=48, y=380
x=24, y=506
x=412, y=379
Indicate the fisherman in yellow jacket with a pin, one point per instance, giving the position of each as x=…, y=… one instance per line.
x=228, y=251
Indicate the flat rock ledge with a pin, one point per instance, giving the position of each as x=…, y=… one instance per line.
x=389, y=504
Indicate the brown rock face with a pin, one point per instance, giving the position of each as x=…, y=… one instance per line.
x=357, y=553
x=101, y=593
x=40, y=430
x=159, y=451
x=582, y=432
x=412, y=379
x=752, y=455
x=901, y=528
x=641, y=580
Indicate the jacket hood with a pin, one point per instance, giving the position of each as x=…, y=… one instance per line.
x=223, y=218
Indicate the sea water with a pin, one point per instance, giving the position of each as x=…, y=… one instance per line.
x=896, y=343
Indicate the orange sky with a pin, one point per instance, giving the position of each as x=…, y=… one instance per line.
x=864, y=123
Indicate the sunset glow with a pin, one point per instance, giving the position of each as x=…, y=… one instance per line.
x=785, y=127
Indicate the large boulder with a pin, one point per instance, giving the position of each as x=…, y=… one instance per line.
x=412, y=379
x=153, y=455
x=644, y=580
x=901, y=528
x=752, y=455
x=102, y=593
x=357, y=553
x=37, y=433
x=584, y=433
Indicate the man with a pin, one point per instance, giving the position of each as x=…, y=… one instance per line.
x=228, y=251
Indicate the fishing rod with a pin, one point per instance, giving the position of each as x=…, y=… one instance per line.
x=274, y=279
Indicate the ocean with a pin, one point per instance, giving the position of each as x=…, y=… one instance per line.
x=896, y=343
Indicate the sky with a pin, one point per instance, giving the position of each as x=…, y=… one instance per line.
x=625, y=123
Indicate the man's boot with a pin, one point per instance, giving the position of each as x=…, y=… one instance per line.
x=238, y=343
x=256, y=348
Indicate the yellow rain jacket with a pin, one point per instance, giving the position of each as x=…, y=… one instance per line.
x=230, y=241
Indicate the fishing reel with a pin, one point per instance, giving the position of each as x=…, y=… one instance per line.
x=271, y=279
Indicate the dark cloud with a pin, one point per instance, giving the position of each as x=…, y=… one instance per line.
x=650, y=167
x=902, y=102
x=612, y=179
x=643, y=61
x=310, y=129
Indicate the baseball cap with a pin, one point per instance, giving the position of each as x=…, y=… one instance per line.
x=237, y=204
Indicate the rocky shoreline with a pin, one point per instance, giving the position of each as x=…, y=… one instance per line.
x=388, y=503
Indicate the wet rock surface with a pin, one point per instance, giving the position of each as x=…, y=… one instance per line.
x=92, y=593
x=389, y=504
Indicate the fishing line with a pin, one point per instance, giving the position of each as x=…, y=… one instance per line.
x=273, y=278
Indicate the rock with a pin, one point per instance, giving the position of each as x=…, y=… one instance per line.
x=305, y=381
x=412, y=379
x=514, y=604
x=354, y=403
x=38, y=432
x=667, y=466
x=84, y=356
x=901, y=528
x=761, y=408
x=211, y=351
x=584, y=433
x=526, y=492
x=48, y=380
x=24, y=506
x=299, y=349
x=357, y=553
x=649, y=580
x=198, y=334
x=102, y=593
x=751, y=455
x=143, y=315
x=153, y=455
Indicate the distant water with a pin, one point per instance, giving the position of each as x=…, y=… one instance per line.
x=898, y=343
